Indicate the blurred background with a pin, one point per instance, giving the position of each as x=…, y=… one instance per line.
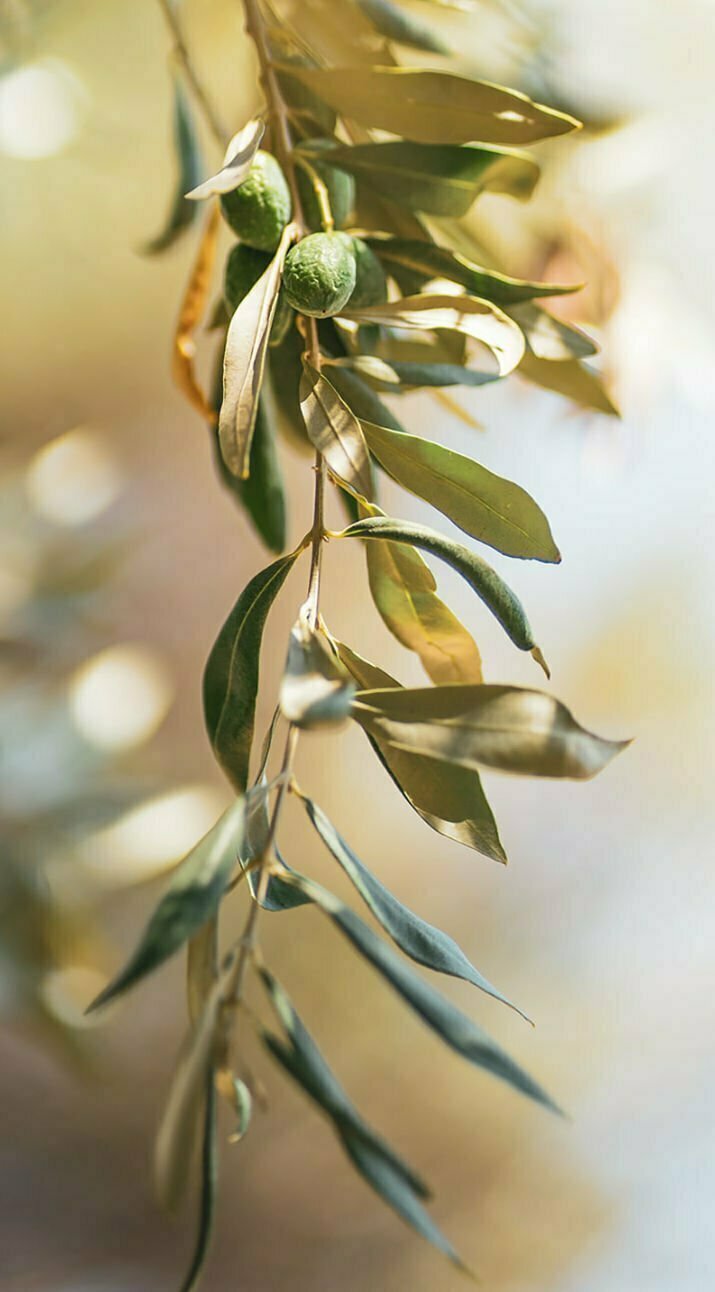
x=120, y=556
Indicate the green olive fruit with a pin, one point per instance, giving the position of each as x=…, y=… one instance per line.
x=370, y=281
x=319, y=274
x=340, y=188
x=260, y=208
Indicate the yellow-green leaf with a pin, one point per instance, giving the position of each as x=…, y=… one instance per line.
x=236, y=165
x=494, y=510
x=434, y=107
x=449, y=799
x=404, y=591
x=430, y=261
x=549, y=338
x=571, y=378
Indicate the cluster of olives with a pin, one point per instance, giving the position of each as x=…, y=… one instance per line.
x=324, y=272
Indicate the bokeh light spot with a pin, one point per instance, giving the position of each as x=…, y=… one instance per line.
x=74, y=478
x=119, y=697
x=39, y=109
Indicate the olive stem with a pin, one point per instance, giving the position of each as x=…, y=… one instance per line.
x=181, y=52
x=284, y=149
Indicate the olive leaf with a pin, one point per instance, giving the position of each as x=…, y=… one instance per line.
x=278, y=896
x=550, y=338
x=383, y=1170
x=576, y=380
x=193, y=896
x=449, y=799
x=242, y=1104
x=362, y=401
x=403, y=28
x=480, y=320
x=191, y=313
x=201, y=966
x=437, y=179
x=494, y=510
x=434, y=107
x=429, y=261
x=505, y=727
x=335, y=432
x=236, y=165
x=244, y=360
x=412, y=375
x=230, y=681
x=262, y=495
x=482, y=579
x=419, y=940
x=181, y=214
x=455, y=1028
x=316, y=690
x=404, y=591
x=209, y=1190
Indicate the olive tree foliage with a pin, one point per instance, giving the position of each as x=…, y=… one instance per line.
x=353, y=278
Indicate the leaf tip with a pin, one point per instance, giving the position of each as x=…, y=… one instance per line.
x=537, y=654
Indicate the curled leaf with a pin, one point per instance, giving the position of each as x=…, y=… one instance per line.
x=508, y=728
x=190, y=316
x=550, y=338
x=236, y=165
x=480, y=320
x=316, y=690
x=335, y=432
x=244, y=361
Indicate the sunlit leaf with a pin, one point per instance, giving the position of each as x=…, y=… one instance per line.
x=335, y=431
x=482, y=579
x=231, y=673
x=434, y=107
x=504, y=727
x=244, y=359
x=449, y=799
x=480, y=320
x=430, y=261
x=181, y=214
x=550, y=338
x=190, y=316
x=236, y=165
x=413, y=375
x=241, y=1101
x=437, y=179
x=201, y=966
x=404, y=591
x=571, y=378
x=419, y=940
x=316, y=690
x=494, y=510
x=402, y=27
x=195, y=891
x=362, y=401
x=456, y=1029
x=262, y=495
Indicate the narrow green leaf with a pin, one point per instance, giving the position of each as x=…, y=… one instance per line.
x=335, y=431
x=438, y=179
x=480, y=320
x=201, y=966
x=395, y=24
x=504, y=727
x=279, y=895
x=434, y=107
x=550, y=338
x=482, y=579
x=363, y=401
x=571, y=378
x=188, y=162
x=237, y=163
x=419, y=940
x=193, y=896
x=242, y=1103
x=244, y=361
x=262, y=495
x=394, y=375
x=456, y=1029
x=209, y=1189
x=430, y=261
x=493, y=510
x=307, y=1065
x=316, y=690
x=404, y=591
x=231, y=674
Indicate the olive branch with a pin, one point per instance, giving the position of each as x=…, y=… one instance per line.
x=384, y=296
